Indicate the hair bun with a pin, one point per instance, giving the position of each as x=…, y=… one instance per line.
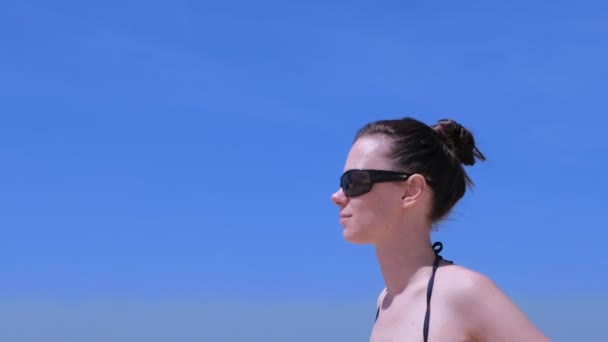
x=459, y=141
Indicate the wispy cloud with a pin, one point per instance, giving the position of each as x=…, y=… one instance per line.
x=297, y=320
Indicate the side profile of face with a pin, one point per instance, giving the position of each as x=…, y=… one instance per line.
x=368, y=218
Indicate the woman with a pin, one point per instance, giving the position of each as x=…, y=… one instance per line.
x=401, y=178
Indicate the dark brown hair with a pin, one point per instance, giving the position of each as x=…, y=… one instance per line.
x=437, y=152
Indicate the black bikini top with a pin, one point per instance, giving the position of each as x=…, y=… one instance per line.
x=437, y=247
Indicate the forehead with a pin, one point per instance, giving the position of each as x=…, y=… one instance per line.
x=369, y=153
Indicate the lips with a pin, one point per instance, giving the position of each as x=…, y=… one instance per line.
x=343, y=218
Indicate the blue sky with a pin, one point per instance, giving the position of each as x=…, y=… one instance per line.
x=185, y=152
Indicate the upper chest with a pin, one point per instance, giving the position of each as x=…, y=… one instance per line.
x=403, y=320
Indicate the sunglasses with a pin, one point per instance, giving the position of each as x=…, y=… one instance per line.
x=360, y=181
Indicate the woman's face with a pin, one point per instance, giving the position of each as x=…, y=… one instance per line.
x=368, y=217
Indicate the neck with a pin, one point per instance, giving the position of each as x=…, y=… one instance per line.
x=402, y=257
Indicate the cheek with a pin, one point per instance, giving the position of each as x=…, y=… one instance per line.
x=373, y=212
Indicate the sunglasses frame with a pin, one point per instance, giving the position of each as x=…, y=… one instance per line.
x=376, y=176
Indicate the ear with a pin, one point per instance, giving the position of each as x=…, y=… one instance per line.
x=414, y=190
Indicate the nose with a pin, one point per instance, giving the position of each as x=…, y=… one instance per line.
x=339, y=198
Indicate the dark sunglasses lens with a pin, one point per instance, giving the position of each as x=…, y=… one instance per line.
x=355, y=183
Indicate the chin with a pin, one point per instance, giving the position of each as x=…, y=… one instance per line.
x=355, y=236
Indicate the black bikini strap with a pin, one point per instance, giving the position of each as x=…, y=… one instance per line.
x=437, y=247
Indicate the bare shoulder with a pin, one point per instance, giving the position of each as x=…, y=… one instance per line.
x=487, y=313
x=468, y=288
x=466, y=284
